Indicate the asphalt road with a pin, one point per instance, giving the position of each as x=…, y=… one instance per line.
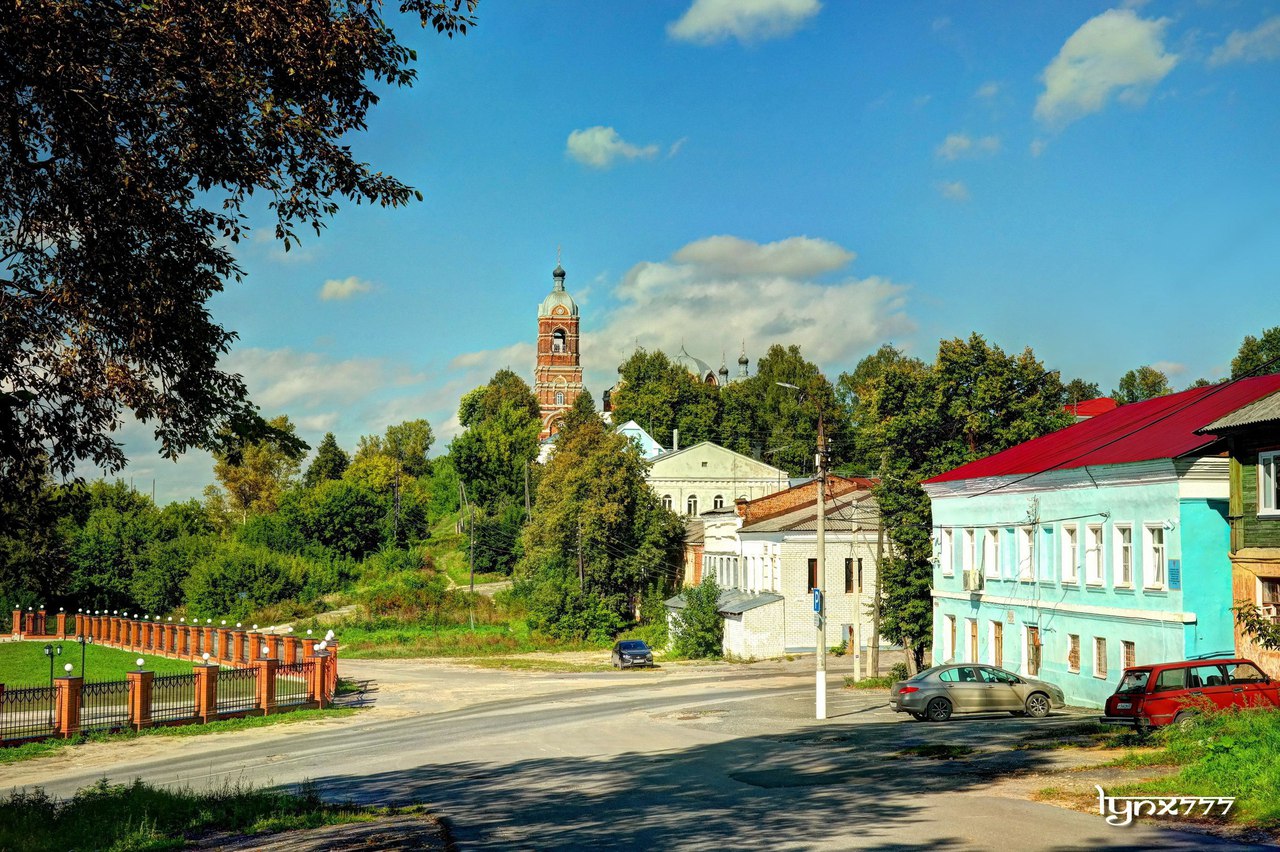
x=709, y=758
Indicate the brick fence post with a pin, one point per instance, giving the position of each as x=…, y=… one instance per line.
x=29, y=622
x=290, y=653
x=267, y=685
x=333, y=667
x=140, y=695
x=42, y=622
x=273, y=642
x=206, y=691
x=224, y=644
x=62, y=625
x=206, y=646
x=316, y=679
x=17, y=621
x=66, y=702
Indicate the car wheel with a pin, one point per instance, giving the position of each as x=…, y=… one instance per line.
x=919, y=717
x=938, y=710
x=1037, y=705
x=1185, y=719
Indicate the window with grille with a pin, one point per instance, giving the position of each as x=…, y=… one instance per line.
x=1130, y=657
x=1073, y=652
x=1099, y=657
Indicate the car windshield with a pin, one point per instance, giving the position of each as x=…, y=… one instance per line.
x=632, y=646
x=1134, y=680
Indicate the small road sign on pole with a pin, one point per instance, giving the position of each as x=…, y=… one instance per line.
x=817, y=600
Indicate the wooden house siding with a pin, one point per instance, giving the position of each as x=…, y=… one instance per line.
x=1247, y=529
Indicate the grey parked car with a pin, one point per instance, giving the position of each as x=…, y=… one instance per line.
x=936, y=693
x=629, y=653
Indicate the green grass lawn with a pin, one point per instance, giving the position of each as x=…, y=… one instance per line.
x=24, y=663
x=1221, y=754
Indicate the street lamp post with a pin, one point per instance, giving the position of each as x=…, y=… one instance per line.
x=83, y=640
x=52, y=651
x=820, y=568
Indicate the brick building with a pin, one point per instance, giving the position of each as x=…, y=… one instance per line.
x=557, y=377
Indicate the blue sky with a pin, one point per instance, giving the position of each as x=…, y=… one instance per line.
x=1100, y=182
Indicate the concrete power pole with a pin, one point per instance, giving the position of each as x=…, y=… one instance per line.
x=820, y=605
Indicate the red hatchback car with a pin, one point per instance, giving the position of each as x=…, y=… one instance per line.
x=1165, y=693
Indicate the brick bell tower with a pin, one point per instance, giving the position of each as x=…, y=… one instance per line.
x=557, y=378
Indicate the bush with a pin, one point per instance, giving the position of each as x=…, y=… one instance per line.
x=237, y=578
x=899, y=672
x=699, y=629
x=559, y=606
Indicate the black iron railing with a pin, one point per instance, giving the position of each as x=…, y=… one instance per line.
x=237, y=690
x=291, y=683
x=26, y=712
x=173, y=697
x=104, y=706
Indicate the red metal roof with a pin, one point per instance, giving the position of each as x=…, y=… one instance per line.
x=1091, y=407
x=1160, y=428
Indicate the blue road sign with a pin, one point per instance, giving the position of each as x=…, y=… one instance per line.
x=817, y=600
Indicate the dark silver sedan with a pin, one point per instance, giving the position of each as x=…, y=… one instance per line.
x=936, y=693
x=631, y=652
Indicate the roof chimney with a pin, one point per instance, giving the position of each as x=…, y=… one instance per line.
x=675, y=440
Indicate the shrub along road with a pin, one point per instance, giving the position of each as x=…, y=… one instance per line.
x=689, y=756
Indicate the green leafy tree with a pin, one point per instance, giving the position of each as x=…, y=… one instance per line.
x=236, y=578
x=596, y=526
x=36, y=530
x=852, y=388
x=1078, y=390
x=329, y=463
x=383, y=462
x=493, y=454
x=1141, y=384
x=132, y=136
x=408, y=443
x=156, y=584
x=343, y=517
x=662, y=396
x=739, y=428
x=973, y=401
x=698, y=627
x=1258, y=355
x=439, y=491
x=256, y=474
x=786, y=418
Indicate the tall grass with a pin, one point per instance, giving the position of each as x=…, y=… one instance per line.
x=1224, y=753
x=137, y=816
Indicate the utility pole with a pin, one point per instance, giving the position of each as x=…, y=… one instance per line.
x=471, y=548
x=528, y=508
x=820, y=605
x=874, y=647
x=581, y=576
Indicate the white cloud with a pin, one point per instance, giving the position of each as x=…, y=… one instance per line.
x=958, y=145
x=953, y=190
x=796, y=257
x=676, y=146
x=338, y=289
x=309, y=382
x=1114, y=53
x=1256, y=45
x=712, y=21
x=1037, y=147
x=1170, y=368
x=988, y=90
x=599, y=147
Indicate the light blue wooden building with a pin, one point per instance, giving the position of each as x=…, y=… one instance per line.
x=1100, y=546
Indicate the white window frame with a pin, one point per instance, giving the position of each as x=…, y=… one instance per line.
x=1128, y=654
x=967, y=548
x=1100, y=656
x=991, y=553
x=1026, y=553
x=1071, y=553
x=946, y=553
x=1122, y=550
x=1155, y=557
x=1269, y=484
x=948, y=634
x=970, y=635
x=1073, y=641
x=1093, y=561
x=991, y=642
